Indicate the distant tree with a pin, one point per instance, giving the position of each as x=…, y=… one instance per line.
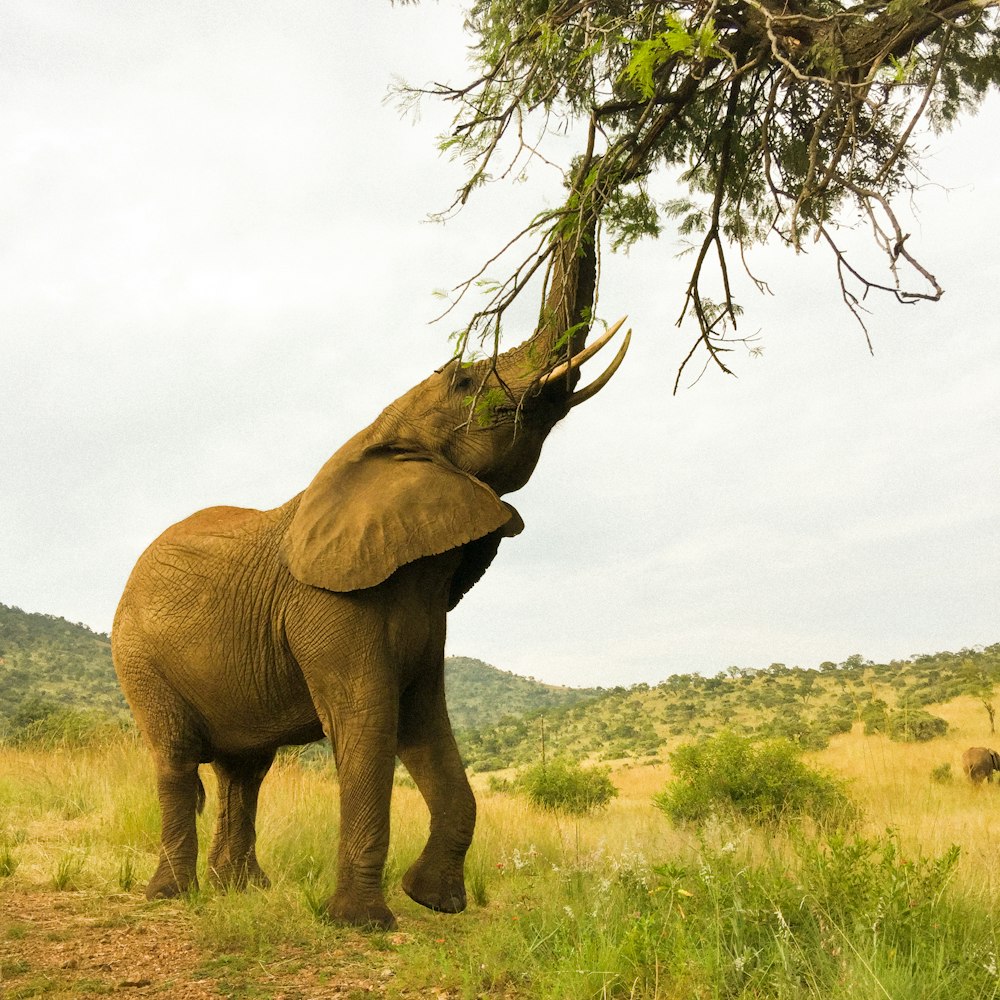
x=915, y=725
x=784, y=120
x=991, y=712
x=806, y=685
x=980, y=679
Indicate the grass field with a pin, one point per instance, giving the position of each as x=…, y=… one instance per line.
x=621, y=904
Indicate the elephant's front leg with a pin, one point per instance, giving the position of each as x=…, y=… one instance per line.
x=427, y=747
x=363, y=739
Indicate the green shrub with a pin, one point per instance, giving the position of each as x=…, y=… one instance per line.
x=942, y=773
x=905, y=724
x=563, y=786
x=68, y=727
x=915, y=725
x=875, y=715
x=760, y=781
x=8, y=860
x=836, y=719
x=795, y=729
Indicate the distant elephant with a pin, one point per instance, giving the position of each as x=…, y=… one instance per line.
x=979, y=763
x=240, y=631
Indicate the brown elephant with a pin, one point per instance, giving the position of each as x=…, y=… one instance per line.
x=241, y=631
x=979, y=763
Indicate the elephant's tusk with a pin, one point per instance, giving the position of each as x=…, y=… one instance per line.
x=599, y=383
x=578, y=359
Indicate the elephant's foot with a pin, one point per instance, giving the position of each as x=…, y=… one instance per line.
x=341, y=908
x=435, y=889
x=169, y=881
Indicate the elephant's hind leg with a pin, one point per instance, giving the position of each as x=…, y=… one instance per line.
x=182, y=796
x=232, y=860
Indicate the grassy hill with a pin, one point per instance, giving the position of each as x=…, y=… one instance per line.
x=48, y=663
x=480, y=695
x=503, y=720
x=809, y=706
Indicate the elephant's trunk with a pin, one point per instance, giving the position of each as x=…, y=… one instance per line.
x=567, y=309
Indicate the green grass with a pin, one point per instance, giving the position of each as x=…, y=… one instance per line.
x=68, y=872
x=8, y=858
x=617, y=905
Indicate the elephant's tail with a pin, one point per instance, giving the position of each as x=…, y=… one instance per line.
x=200, y=802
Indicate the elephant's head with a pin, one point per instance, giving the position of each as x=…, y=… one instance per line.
x=426, y=476
x=995, y=760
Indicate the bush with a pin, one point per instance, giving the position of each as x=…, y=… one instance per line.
x=875, y=715
x=563, y=786
x=915, y=725
x=942, y=773
x=760, y=781
x=67, y=727
x=904, y=724
x=795, y=729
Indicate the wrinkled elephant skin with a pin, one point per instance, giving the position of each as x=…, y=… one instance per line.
x=241, y=631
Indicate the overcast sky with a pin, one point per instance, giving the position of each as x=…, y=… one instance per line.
x=215, y=269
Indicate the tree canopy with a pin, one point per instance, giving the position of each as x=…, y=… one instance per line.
x=777, y=119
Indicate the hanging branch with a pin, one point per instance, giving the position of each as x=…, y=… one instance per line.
x=776, y=114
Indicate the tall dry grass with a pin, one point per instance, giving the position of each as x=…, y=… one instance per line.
x=619, y=903
x=893, y=784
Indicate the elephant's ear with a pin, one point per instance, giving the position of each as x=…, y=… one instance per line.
x=373, y=509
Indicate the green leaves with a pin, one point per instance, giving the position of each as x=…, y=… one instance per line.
x=776, y=122
x=650, y=55
x=484, y=406
x=631, y=216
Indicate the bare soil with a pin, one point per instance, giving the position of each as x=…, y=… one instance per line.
x=73, y=944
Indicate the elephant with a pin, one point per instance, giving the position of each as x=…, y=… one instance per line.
x=241, y=631
x=979, y=763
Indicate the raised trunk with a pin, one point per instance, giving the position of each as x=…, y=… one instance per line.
x=568, y=304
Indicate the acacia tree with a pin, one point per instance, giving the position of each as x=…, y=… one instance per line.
x=777, y=119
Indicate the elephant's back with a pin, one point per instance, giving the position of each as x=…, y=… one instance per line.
x=202, y=568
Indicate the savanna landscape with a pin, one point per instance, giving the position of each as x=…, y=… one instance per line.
x=852, y=858
x=772, y=831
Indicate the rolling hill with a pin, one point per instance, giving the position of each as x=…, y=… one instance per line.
x=503, y=720
x=47, y=662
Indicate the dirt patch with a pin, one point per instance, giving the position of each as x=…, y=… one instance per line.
x=76, y=942
x=71, y=944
